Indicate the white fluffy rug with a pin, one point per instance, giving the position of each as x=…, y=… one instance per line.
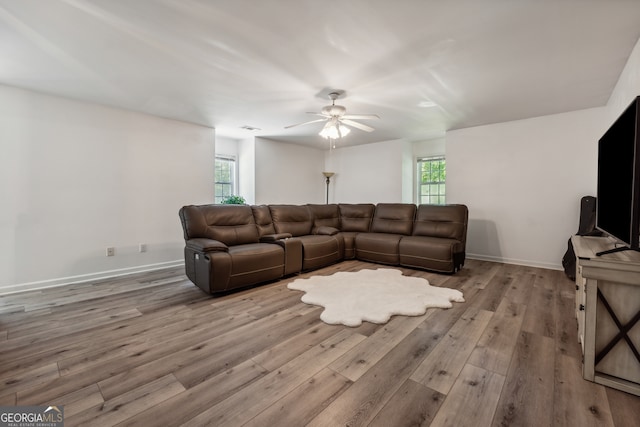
x=374, y=296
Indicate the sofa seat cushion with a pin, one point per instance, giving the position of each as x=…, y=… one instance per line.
x=255, y=263
x=430, y=253
x=378, y=247
x=321, y=250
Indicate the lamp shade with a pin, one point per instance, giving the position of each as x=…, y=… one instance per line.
x=334, y=131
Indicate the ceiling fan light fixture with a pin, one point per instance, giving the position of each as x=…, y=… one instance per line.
x=337, y=120
x=334, y=131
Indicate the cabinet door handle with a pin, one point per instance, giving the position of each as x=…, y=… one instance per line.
x=581, y=307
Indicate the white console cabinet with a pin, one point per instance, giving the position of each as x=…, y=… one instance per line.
x=608, y=313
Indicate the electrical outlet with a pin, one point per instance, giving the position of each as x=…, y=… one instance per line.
x=142, y=247
x=111, y=251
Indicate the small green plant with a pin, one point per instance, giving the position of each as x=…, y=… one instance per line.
x=233, y=200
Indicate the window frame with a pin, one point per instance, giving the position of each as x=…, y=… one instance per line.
x=420, y=197
x=233, y=175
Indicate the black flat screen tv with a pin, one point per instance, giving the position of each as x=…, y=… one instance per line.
x=618, y=196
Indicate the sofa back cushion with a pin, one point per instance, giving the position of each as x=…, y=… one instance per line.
x=448, y=221
x=295, y=220
x=262, y=216
x=355, y=217
x=393, y=218
x=229, y=224
x=325, y=216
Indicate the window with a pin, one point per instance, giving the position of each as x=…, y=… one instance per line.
x=432, y=173
x=225, y=177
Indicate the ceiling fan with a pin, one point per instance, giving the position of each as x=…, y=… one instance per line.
x=337, y=120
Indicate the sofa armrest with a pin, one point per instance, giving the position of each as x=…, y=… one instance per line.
x=326, y=231
x=207, y=245
x=272, y=238
x=292, y=255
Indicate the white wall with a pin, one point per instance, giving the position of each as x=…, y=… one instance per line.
x=429, y=148
x=627, y=87
x=408, y=174
x=371, y=173
x=78, y=177
x=226, y=146
x=247, y=169
x=288, y=173
x=522, y=182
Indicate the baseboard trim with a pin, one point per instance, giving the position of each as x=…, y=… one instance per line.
x=51, y=283
x=44, y=284
x=526, y=263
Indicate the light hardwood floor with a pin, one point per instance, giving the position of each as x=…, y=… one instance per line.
x=153, y=350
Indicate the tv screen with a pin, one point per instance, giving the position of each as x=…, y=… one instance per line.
x=617, y=206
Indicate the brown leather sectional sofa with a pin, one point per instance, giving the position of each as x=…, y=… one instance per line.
x=234, y=246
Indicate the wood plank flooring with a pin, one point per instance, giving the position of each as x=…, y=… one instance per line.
x=153, y=350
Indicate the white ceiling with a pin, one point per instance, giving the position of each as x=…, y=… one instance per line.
x=264, y=63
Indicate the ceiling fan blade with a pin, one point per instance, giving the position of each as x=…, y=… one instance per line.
x=361, y=116
x=305, y=123
x=358, y=125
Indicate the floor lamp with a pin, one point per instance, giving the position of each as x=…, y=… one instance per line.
x=328, y=176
